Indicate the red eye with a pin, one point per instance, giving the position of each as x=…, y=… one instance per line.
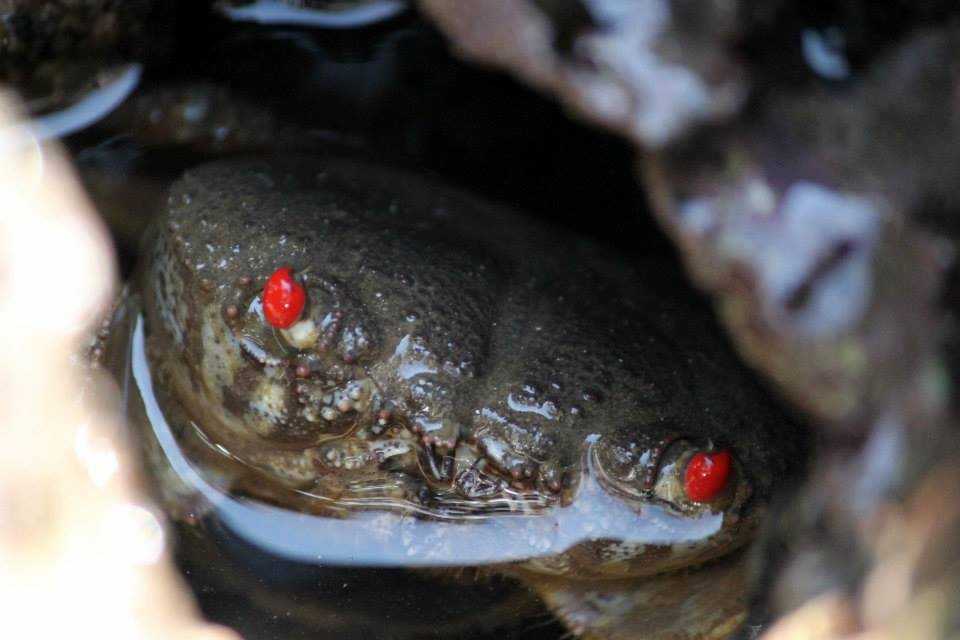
x=706, y=475
x=283, y=298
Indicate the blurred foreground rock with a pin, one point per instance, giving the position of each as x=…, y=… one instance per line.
x=82, y=553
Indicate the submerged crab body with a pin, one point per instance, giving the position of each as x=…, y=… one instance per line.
x=462, y=388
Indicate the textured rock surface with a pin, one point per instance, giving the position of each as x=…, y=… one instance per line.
x=647, y=69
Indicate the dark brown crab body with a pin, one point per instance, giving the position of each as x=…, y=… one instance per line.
x=464, y=388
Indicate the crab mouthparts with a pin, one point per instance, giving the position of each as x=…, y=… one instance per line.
x=392, y=538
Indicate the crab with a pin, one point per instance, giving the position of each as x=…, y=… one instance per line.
x=456, y=387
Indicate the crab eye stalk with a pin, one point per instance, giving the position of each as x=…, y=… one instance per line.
x=283, y=299
x=707, y=475
x=692, y=477
x=688, y=475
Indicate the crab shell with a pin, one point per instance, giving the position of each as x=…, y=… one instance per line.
x=475, y=390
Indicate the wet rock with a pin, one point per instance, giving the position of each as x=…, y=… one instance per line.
x=649, y=69
x=802, y=220
x=52, y=50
